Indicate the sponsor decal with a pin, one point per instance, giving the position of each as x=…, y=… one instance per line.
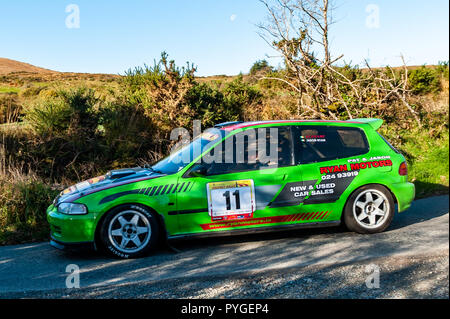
x=310, y=216
x=373, y=164
x=333, y=169
x=313, y=138
x=328, y=190
x=355, y=166
x=373, y=158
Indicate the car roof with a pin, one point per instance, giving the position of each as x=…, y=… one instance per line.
x=240, y=125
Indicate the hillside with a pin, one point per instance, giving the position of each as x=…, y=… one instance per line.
x=16, y=70
x=8, y=66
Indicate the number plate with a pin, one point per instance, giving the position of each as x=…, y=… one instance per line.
x=231, y=200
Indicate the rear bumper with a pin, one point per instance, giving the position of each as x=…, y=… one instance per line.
x=404, y=193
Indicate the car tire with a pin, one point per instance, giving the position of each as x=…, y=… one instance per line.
x=129, y=231
x=370, y=209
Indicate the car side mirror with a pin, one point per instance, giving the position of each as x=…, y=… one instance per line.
x=198, y=170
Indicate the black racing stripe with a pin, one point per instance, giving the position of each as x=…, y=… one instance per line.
x=159, y=189
x=170, y=188
x=153, y=190
x=164, y=190
x=147, y=190
x=117, y=195
x=186, y=187
x=189, y=211
x=175, y=189
x=181, y=188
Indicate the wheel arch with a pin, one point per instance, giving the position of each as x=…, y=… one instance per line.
x=159, y=218
x=356, y=189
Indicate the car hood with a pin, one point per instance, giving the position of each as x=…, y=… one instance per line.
x=111, y=179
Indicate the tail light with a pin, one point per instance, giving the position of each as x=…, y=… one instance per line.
x=403, y=169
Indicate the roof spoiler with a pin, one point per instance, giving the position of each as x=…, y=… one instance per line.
x=374, y=123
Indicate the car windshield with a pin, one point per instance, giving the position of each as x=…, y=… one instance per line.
x=181, y=157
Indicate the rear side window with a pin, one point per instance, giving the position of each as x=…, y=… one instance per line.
x=324, y=143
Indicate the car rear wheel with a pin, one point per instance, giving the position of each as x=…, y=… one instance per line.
x=370, y=209
x=129, y=231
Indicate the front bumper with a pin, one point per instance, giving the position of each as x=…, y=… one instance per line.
x=68, y=246
x=70, y=229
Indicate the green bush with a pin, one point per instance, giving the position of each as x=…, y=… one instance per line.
x=23, y=205
x=126, y=131
x=69, y=113
x=208, y=105
x=424, y=80
x=32, y=91
x=212, y=106
x=65, y=140
x=260, y=66
x=239, y=95
x=442, y=69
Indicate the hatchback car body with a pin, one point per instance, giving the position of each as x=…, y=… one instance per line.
x=323, y=173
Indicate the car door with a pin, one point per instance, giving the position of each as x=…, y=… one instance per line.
x=323, y=154
x=227, y=186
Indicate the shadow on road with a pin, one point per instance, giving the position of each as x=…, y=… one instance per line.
x=420, y=211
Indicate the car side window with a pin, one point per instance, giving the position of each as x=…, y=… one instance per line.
x=241, y=152
x=323, y=143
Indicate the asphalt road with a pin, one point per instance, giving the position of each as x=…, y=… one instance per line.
x=420, y=231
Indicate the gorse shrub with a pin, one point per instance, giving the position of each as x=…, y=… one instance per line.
x=240, y=94
x=48, y=117
x=126, y=130
x=23, y=203
x=170, y=97
x=66, y=136
x=69, y=113
x=208, y=104
x=161, y=92
x=424, y=80
x=442, y=69
x=260, y=66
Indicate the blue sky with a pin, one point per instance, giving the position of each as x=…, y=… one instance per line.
x=219, y=36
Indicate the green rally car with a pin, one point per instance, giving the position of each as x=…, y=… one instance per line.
x=303, y=174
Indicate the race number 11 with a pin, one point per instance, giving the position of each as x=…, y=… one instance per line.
x=236, y=195
x=231, y=200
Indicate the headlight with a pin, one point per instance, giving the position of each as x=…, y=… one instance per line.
x=72, y=209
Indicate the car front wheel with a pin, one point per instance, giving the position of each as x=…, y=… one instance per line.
x=370, y=209
x=129, y=231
